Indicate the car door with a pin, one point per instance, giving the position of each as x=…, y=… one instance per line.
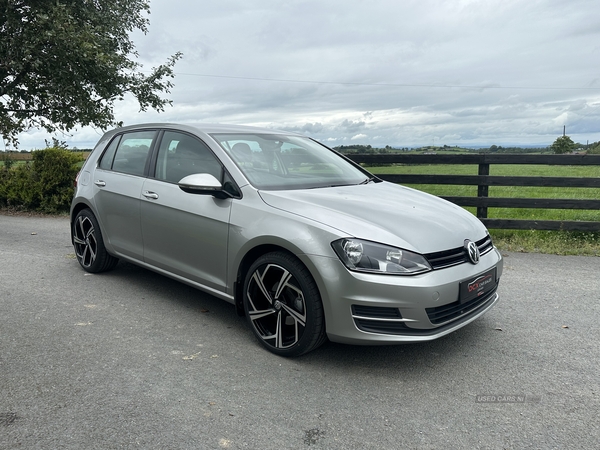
x=185, y=234
x=118, y=181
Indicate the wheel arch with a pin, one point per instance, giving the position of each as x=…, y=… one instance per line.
x=252, y=255
x=76, y=208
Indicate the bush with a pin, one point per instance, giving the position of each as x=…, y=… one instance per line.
x=7, y=160
x=45, y=184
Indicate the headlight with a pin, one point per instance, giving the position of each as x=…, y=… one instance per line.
x=365, y=256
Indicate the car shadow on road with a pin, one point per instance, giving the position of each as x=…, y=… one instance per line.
x=419, y=360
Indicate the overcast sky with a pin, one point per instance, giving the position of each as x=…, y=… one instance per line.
x=378, y=72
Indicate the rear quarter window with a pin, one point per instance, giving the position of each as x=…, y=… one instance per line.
x=109, y=154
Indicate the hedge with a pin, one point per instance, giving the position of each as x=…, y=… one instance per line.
x=45, y=184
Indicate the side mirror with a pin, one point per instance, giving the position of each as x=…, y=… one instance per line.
x=203, y=184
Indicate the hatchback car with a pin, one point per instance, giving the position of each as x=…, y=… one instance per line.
x=305, y=243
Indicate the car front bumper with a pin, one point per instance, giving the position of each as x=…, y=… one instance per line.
x=365, y=308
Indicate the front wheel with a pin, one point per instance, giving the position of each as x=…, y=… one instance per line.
x=283, y=305
x=89, y=245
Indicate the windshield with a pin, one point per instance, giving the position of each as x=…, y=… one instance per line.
x=288, y=162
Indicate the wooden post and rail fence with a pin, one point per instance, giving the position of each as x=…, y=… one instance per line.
x=483, y=180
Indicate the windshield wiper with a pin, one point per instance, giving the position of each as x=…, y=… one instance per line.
x=367, y=181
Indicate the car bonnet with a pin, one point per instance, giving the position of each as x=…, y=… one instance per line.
x=383, y=212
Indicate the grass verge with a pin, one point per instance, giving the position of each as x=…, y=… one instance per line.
x=551, y=242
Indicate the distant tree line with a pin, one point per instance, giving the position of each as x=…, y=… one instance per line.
x=368, y=149
x=562, y=145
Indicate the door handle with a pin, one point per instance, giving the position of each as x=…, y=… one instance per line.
x=150, y=194
x=99, y=183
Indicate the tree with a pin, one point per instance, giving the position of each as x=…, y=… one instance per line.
x=64, y=63
x=563, y=144
x=594, y=148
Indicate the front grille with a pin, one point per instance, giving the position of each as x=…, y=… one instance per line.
x=376, y=319
x=451, y=311
x=455, y=256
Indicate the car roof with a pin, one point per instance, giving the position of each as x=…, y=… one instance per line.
x=205, y=128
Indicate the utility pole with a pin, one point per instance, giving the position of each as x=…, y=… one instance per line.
x=564, y=130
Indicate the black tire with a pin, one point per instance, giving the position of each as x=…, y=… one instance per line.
x=89, y=245
x=283, y=305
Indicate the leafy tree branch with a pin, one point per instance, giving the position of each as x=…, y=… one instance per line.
x=64, y=63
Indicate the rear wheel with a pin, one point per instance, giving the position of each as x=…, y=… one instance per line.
x=89, y=245
x=283, y=305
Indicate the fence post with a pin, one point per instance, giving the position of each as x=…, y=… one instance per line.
x=482, y=190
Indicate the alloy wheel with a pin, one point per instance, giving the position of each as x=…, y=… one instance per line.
x=84, y=238
x=276, y=306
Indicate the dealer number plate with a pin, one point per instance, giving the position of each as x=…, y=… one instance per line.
x=478, y=286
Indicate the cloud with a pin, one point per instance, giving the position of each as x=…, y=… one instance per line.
x=400, y=73
x=352, y=126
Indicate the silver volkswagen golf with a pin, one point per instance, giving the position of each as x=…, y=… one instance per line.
x=305, y=243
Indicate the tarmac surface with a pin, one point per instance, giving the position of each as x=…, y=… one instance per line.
x=131, y=359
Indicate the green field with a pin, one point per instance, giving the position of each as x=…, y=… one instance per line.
x=14, y=163
x=560, y=242
x=18, y=159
